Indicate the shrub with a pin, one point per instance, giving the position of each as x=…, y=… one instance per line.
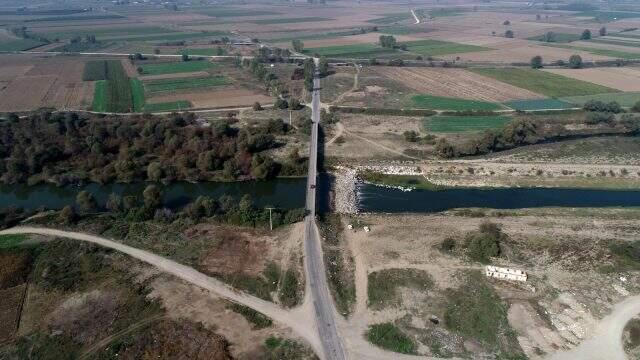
x=485, y=243
x=281, y=104
x=599, y=117
x=536, y=62
x=411, y=136
x=586, y=35
x=636, y=107
x=575, y=62
x=257, y=106
x=596, y=105
x=509, y=34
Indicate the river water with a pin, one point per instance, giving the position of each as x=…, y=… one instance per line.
x=290, y=193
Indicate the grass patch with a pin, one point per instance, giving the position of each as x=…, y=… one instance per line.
x=289, y=294
x=383, y=285
x=137, y=94
x=348, y=51
x=11, y=241
x=436, y=47
x=286, y=349
x=176, y=67
x=476, y=312
x=185, y=84
x=464, y=124
x=391, y=18
x=167, y=106
x=20, y=45
x=80, y=47
x=258, y=320
x=627, y=255
x=100, y=96
x=389, y=337
x=289, y=20
x=542, y=82
x=538, y=104
x=624, y=99
x=557, y=38
x=405, y=181
x=445, y=103
x=204, y=52
x=401, y=30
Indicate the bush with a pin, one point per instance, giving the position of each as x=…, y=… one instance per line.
x=575, y=62
x=599, y=106
x=389, y=337
x=485, y=243
x=536, y=62
x=599, y=117
x=509, y=34
x=586, y=35
x=411, y=136
x=636, y=107
x=257, y=106
x=281, y=104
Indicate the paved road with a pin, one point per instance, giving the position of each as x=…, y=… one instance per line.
x=314, y=264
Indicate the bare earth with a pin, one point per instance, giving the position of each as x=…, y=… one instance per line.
x=620, y=78
x=216, y=98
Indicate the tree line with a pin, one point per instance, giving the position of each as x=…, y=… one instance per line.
x=67, y=148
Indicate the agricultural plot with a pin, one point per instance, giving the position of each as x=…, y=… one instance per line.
x=616, y=54
x=175, y=67
x=464, y=124
x=436, y=47
x=444, y=103
x=542, y=82
x=20, y=45
x=221, y=13
x=608, y=16
x=114, y=93
x=289, y=20
x=539, y=104
x=204, y=51
x=556, y=38
x=618, y=78
x=351, y=51
x=168, y=106
x=391, y=18
x=455, y=83
x=106, y=33
x=626, y=99
x=185, y=84
x=402, y=30
x=610, y=41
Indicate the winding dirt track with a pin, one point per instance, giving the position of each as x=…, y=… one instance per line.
x=290, y=318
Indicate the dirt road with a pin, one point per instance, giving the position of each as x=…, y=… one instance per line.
x=297, y=323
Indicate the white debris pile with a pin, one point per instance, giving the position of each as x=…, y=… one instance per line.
x=393, y=169
x=346, y=201
x=505, y=273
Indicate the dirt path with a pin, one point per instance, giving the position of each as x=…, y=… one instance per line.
x=335, y=137
x=297, y=323
x=109, y=339
x=353, y=88
x=607, y=341
x=415, y=17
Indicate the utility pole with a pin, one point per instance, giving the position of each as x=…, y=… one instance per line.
x=290, y=118
x=270, y=221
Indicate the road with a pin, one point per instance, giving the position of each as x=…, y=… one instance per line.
x=325, y=314
x=415, y=17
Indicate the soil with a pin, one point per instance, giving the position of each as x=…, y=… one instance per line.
x=215, y=98
x=620, y=78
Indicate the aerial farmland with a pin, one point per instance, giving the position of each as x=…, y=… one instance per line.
x=320, y=179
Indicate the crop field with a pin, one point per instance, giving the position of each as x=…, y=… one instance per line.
x=176, y=67
x=402, y=30
x=391, y=18
x=214, y=12
x=608, y=16
x=109, y=32
x=444, y=103
x=289, y=20
x=115, y=93
x=624, y=78
x=185, y=84
x=436, y=47
x=455, y=83
x=20, y=45
x=204, y=51
x=557, y=38
x=168, y=106
x=351, y=51
x=464, y=124
x=137, y=94
x=100, y=96
x=616, y=42
x=542, y=82
x=538, y=104
x=616, y=54
x=96, y=70
x=626, y=99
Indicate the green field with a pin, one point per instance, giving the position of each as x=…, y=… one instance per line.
x=289, y=20
x=111, y=32
x=185, y=84
x=538, y=104
x=391, y=18
x=463, y=124
x=557, y=38
x=543, y=82
x=604, y=52
x=168, y=106
x=100, y=96
x=444, y=12
x=389, y=337
x=115, y=94
x=137, y=94
x=626, y=99
x=350, y=51
x=10, y=241
x=454, y=104
x=20, y=45
x=204, y=52
x=436, y=47
x=96, y=70
x=617, y=42
x=401, y=30
x=175, y=67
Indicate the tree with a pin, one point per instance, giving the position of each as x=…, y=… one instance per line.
x=586, y=35
x=575, y=61
x=298, y=46
x=152, y=197
x=538, y=17
x=549, y=37
x=506, y=23
x=411, y=136
x=185, y=57
x=323, y=66
x=86, y=202
x=154, y=171
x=281, y=104
x=536, y=62
x=387, y=41
x=294, y=104
x=114, y=203
x=257, y=106
x=67, y=215
x=508, y=34
x=636, y=107
x=603, y=31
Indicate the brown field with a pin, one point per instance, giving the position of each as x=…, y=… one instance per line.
x=215, y=99
x=10, y=311
x=621, y=78
x=196, y=74
x=629, y=49
x=49, y=82
x=457, y=83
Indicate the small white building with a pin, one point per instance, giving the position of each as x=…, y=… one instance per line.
x=505, y=273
